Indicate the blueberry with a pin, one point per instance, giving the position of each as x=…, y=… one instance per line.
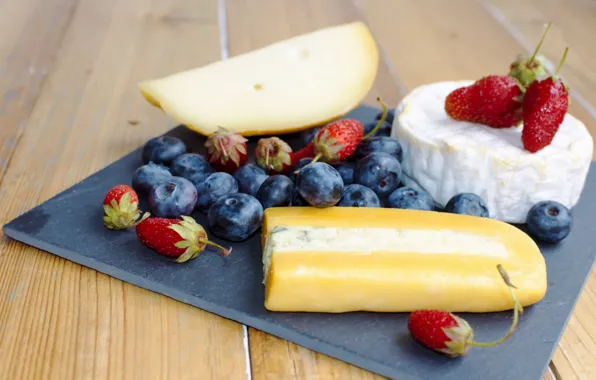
x=359, y=196
x=379, y=144
x=147, y=176
x=309, y=134
x=299, y=165
x=346, y=171
x=320, y=184
x=390, y=116
x=163, y=150
x=214, y=187
x=297, y=200
x=467, y=204
x=249, y=178
x=194, y=167
x=384, y=129
x=235, y=217
x=549, y=221
x=380, y=172
x=172, y=198
x=276, y=191
x=408, y=198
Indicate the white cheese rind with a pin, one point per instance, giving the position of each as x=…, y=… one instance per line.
x=445, y=157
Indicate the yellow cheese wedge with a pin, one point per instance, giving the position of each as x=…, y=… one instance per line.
x=344, y=259
x=284, y=87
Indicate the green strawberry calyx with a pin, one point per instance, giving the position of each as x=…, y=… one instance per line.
x=194, y=239
x=123, y=214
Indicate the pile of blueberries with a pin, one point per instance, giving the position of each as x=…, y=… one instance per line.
x=176, y=183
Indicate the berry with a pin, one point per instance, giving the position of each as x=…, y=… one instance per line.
x=275, y=155
x=451, y=335
x=494, y=101
x=173, y=198
x=359, y=196
x=380, y=172
x=226, y=150
x=192, y=166
x=338, y=140
x=297, y=199
x=408, y=198
x=545, y=105
x=320, y=184
x=549, y=221
x=528, y=69
x=346, y=171
x=308, y=135
x=181, y=239
x=276, y=191
x=249, y=178
x=121, y=208
x=148, y=176
x=299, y=165
x=214, y=187
x=163, y=150
x=379, y=144
x=235, y=217
x=467, y=204
x=383, y=130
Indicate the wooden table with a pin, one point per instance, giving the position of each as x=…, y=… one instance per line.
x=68, y=74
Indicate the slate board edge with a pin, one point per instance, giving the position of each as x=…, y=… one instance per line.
x=224, y=312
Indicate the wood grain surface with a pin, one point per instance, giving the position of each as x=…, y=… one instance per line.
x=68, y=102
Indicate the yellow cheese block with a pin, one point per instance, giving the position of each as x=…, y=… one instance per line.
x=285, y=87
x=344, y=259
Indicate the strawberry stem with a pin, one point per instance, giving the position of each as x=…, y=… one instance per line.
x=561, y=62
x=317, y=157
x=539, y=43
x=223, y=149
x=381, y=120
x=224, y=251
x=517, y=310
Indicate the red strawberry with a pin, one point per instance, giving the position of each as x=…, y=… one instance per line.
x=494, y=101
x=182, y=239
x=545, y=105
x=121, y=208
x=451, y=335
x=226, y=151
x=338, y=140
x=275, y=155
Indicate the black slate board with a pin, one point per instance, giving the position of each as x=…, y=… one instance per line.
x=231, y=287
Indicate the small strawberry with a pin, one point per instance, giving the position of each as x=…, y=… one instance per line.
x=494, y=101
x=121, y=208
x=451, y=335
x=338, y=140
x=275, y=155
x=226, y=151
x=545, y=105
x=181, y=239
x=527, y=69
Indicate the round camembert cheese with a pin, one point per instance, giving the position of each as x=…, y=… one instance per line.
x=445, y=157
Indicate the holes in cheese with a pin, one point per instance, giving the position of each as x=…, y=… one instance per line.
x=387, y=260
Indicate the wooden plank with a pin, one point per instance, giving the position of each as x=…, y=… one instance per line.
x=462, y=40
x=31, y=32
x=573, y=25
x=63, y=321
x=256, y=24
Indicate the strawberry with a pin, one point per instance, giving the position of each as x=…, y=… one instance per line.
x=181, y=239
x=226, y=151
x=275, y=155
x=545, y=105
x=121, y=208
x=494, y=101
x=451, y=335
x=528, y=69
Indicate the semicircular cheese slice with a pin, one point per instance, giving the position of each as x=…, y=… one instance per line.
x=343, y=259
x=285, y=87
x=445, y=157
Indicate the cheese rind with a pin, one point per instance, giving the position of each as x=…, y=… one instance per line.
x=334, y=260
x=445, y=157
x=285, y=87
